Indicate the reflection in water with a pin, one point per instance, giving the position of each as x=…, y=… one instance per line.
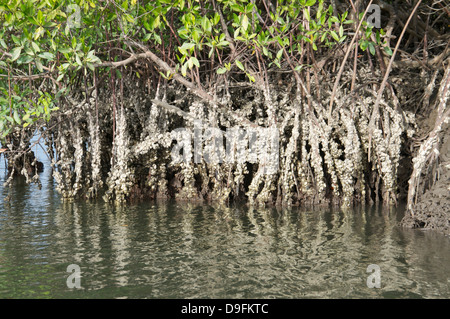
x=181, y=250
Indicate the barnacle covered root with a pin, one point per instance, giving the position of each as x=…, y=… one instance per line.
x=191, y=151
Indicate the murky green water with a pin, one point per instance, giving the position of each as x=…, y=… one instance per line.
x=189, y=251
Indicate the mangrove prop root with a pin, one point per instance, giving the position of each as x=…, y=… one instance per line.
x=318, y=161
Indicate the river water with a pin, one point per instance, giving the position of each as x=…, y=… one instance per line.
x=182, y=250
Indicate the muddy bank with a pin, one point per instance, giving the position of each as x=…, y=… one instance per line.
x=432, y=210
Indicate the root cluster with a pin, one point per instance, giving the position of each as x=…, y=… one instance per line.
x=125, y=151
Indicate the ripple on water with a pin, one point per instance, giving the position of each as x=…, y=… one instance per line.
x=190, y=251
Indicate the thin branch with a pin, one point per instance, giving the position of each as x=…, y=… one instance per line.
x=179, y=78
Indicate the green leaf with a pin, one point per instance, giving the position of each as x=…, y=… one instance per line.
x=196, y=34
x=49, y=24
x=306, y=14
x=236, y=32
x=334, y=35
x=186, y=46
x=47, y=55
x=184, y=69
x=221, y=70
x=388, y=51
x=147, y=37
x=129, y=18
x=65, y=66
x=372, y=48
x=206, y=24
x=35, y=47
x=24, y=59
x=239, y=65
x=157, y=38
x=368, y=32
x=17, y=118
x=5, y=132
x=163, y=75
x=333, y=19
x=10, y=119
x=156, y=22
x=195, y=61
x=40, y=17
x=65, y=50
x=279, y=54
x=90, y=66
x=237, y=8
x=216, y=18
x=364, y=44
x=15, y=53
x=38, y=33
x=249, y=7
x=15, y=39
x=39, y=65
x=344, y=15
x=222, y=44
x=244, y=22
x=78, y=60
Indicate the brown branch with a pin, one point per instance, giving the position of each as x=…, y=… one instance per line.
x=430, y=63
x=179, y=78
x=26, y=77
x=173, y=109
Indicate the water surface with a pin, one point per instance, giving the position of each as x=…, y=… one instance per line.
x=181, y=250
